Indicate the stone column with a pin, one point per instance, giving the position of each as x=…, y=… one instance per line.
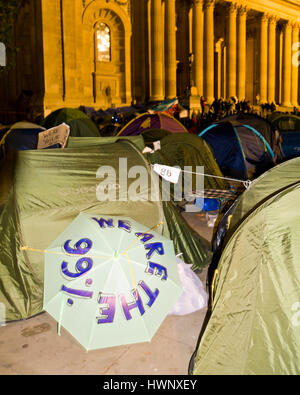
x=170, y=49
x=295, y=66
x=218, y=68
x=287, y=65
x=231, y=50
x=156, y=51
x=138, y=42
x=208, y=61
x=198, y=44
x=272, y=58
x=263, y=58
x=241, y=51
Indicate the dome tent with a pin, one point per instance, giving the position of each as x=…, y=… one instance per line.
x=20, y=136
x=263, y=126
x=269, y=183
x=258, y=234
x=240, y=150
x=80, y=124
x=148, y=121
x=253, y=327
x=289, y=128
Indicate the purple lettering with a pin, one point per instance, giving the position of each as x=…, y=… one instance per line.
x=124, y=225
x=102, y=222
x=154, y=247
x=77, y=292
x=108, y=310
x=129, y=306
x=146, y=237
x=158, y=270
x=152, y=295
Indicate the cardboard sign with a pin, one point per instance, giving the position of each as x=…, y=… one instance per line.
x=168, y=173
x=57, y=135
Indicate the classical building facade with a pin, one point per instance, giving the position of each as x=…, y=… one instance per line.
x=104, y=53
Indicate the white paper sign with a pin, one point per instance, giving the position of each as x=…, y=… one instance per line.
x=168, y=173
x=147, y=150
x=57, y=135
x=156, y=145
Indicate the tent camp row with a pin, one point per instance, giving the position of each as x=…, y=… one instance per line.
x=255, y=250
x=43, y=190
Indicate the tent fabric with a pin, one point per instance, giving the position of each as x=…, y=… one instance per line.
x=253, y=328
x=263, y=126
x=289, y=128
x=285, y=122
x=180, y=149
x=240, y=150
x=279, y=177
x=44, y=190
x=148, y=121
x=80, y=124
x=20, y=136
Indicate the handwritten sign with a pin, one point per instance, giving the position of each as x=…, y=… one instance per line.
x=57, y=135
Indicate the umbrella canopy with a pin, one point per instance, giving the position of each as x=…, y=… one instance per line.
x=80, y=124
x=110, y=280
x=148, y=121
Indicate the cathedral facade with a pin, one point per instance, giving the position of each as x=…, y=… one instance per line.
x=111, y=53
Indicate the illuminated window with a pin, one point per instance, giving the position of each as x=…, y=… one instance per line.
x=103, y=43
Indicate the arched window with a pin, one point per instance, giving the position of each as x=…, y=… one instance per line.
x=103, y=43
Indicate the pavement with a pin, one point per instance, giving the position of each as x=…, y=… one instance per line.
x=33, y=347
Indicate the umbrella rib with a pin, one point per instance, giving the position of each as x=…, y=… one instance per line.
x=131, y=269
x=26, y=248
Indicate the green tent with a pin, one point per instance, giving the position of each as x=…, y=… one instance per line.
x=279, y=177
x=81, y=125
x=184, y=149
x=253, y=325
x=44, y=190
